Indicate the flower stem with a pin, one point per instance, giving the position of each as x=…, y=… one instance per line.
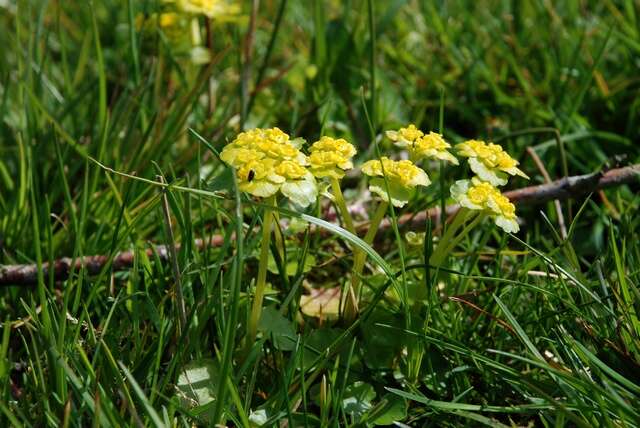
x=449, y=240
x=277, y=232
x=353, y=291
x=256, y=308
x=454, y=243
x=342, y=206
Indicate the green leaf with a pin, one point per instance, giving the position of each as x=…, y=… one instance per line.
x=399, y=194
x=293, y=255
x=391, y=409
x=317, y=342
x=278, y=329
x=198, y=382
x=258, y=417
x=357, y=398
x=383, y=344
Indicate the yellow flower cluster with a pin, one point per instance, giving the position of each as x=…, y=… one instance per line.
x=476, y=194
x=421, y=146
x=182, y=34
x=433, y=145
x=267, y=161
x=330, y=157
x=405, y=136
x=489, y=161
x=402, y=176
x=219, y=9
x=170, y=23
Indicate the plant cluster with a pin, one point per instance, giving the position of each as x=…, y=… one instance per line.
x=178, y=25
x=268, y=162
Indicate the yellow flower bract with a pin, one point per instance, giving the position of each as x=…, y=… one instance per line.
x=403, y=171
x=171, y=24
x=402, y=176
x=489, y=161
x=168, y=19
x=290, y=170
x=434, y=146
x=267, y=161
x=330, y=157
x=405, y=136
x=476, y=194
x=211, y=8
x=422, y=146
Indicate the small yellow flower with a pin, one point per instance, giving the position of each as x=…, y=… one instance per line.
x=403, y=177
x=290, y=170
x=178, y=30
x=432, y=145
x=267, y=161
x=221, y=9
x=171, y=24
x=474, y=148
x=405, y=136
x=330, y=157
x=168, y=20
x=476, y=194
x=489, y=161
x=257, y=178
x=421, y=146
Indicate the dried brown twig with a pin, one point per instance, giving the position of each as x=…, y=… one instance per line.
x=93, y=265
x=565, y=188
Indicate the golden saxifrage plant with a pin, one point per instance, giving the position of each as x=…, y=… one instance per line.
x=268, y=163
x=177, y=24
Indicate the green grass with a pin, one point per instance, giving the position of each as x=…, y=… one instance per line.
x=513, y=330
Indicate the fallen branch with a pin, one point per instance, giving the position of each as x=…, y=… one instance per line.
x=566, y=188
x=93, y=265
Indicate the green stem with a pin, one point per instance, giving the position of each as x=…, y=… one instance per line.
x=256, y=308
x=277, y=232
x=342, y=206
x=449, y=240
x=464, y=233
x=458, y=221
x=375, y=222
x=353, y=292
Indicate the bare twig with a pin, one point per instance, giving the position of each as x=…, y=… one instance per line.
x=93, y=265
x=566, y=188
